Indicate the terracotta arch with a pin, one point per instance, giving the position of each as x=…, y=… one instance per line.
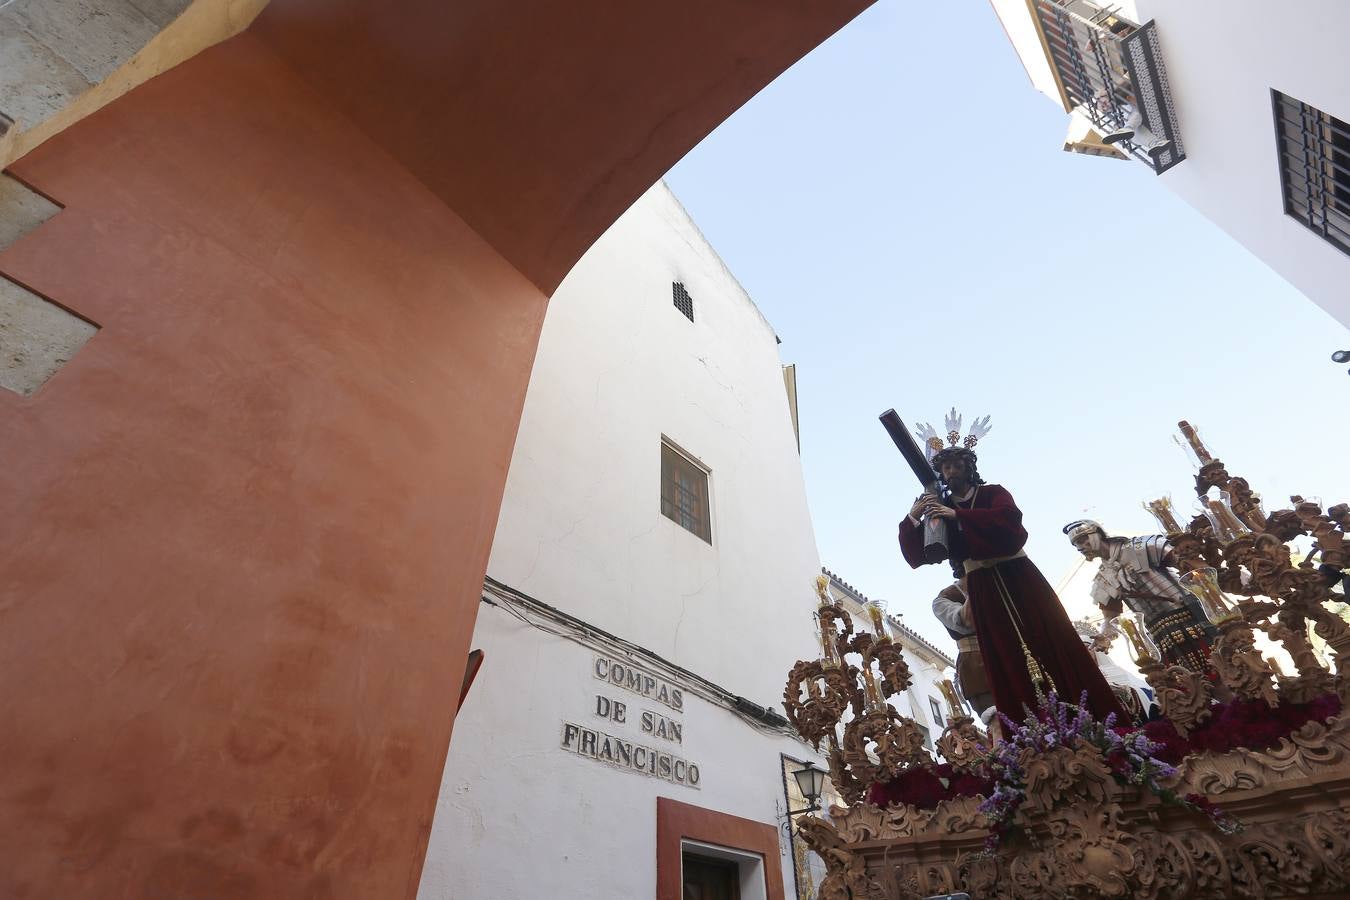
x=247, y=523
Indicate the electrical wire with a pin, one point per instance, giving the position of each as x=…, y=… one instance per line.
x=551, y=620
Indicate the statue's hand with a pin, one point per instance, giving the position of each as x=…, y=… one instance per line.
x=939, y=511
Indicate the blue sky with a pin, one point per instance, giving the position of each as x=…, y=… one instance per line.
x=898, y=206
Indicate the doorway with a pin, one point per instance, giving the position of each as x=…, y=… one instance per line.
x=706, y=878
x=689, y=838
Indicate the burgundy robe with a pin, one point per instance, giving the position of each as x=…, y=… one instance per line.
x=988, y=528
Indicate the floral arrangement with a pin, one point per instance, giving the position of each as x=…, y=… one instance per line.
x=1135, y=757
x=1132, y=756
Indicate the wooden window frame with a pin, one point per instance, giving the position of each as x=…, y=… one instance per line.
x=672, y=457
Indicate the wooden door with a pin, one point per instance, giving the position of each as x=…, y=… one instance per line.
x=710, y=879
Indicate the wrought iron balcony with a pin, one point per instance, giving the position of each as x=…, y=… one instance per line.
x=1112, y=70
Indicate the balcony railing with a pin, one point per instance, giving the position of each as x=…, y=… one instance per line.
x=1112, y=70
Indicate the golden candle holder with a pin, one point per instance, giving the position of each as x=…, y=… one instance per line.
x=1140, y=651
x=1230, y=517
x=1162, y=511
x=873, y=693
x=1204, y=584
x=1226, y=525
x=878, y=617
x=953, y=699
x=1193, y=438
x=828, y=652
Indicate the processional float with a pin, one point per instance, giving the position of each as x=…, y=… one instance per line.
x=1241, y=790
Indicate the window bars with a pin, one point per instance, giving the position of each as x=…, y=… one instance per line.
x=1314, y=152
x=684, y=492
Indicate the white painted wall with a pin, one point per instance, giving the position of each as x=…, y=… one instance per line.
x=520, y=819
x=1019, y=25
x=1223, y=59
x=618, y=367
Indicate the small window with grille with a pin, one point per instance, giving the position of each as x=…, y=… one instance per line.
x=1314, y=151
x=683, y=302
x=684, y=492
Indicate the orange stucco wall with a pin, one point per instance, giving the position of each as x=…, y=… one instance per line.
x=541, y=121
x=245, y=528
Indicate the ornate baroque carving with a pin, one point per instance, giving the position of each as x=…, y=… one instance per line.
x=881, y=744
x=847, y=877
x=1183, y=696
x=1087, y=836
x=827, y=696
x=961, y=743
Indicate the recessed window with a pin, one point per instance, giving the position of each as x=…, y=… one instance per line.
x=937, y=711
x=1314, y=151
x=683, y=302
x=684, y=492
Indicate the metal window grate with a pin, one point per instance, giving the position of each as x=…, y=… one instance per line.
x=1314, y=150
x=683, y=302
x=684, y=492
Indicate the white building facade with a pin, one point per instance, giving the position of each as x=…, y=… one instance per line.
x=650, y=585
x=1254, y=96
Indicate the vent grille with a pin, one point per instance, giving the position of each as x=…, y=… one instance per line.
x=683, y=302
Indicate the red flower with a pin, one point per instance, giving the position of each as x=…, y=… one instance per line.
x=923, y=787
x=1241, y=723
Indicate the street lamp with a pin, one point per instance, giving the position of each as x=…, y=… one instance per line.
x=810, y=781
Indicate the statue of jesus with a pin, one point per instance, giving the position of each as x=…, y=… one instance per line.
x=1028, y=644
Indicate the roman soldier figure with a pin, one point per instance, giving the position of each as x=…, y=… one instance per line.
x=1135, y=573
